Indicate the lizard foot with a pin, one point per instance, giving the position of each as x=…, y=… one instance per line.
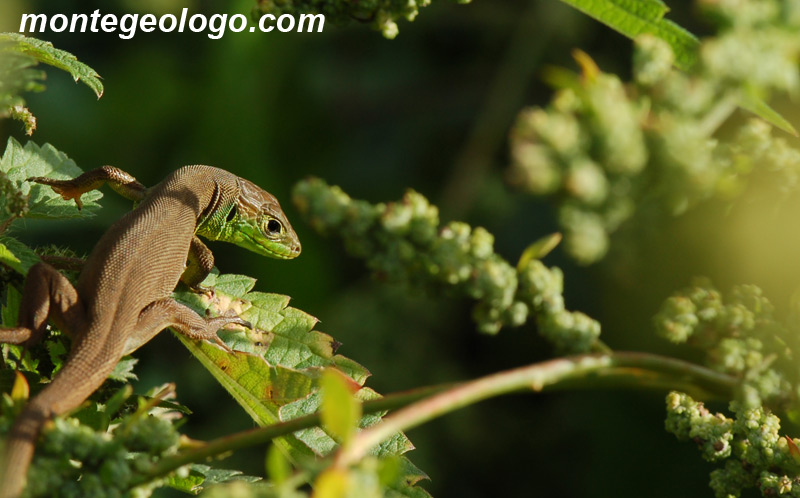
x=67, y=189
x=222, y=322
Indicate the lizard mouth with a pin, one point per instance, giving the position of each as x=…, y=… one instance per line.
x=276, y=248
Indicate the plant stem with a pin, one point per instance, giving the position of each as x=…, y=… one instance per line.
x=622, y=369
x=535, y=377
x=263, y=435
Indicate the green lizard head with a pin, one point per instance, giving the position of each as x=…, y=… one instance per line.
x=255, y=221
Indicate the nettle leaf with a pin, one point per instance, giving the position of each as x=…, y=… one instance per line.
x=751, y=101
x=274, y=372
x=202, y=475
x=123, y=371
x=321, y=443
x=216, y=476
x=632, y=18
x=635, y=17
x=18, y=56
x=191, y=484
x=9, y=311
x=17, y=76
x=20, y=162
x=45, y=52
x=16, y=255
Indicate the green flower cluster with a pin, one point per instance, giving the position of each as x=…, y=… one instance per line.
x=608, y=151
x=382, y=15
x=740, y=336
x=749, y=446
x=107, y=462
x=403, y=242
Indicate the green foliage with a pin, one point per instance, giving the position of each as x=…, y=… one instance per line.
x=612, y=153
x=637, y=17
x=45, y=52
x=201, y=477
x=25, y=199
x=277, y=365
x=110, y=449
x=608, y=152
x=749, y=446
x=740, y=337
x=16, y=255
x=276, y=375
x=403, y=242
x=18, y=55
x=341, y=411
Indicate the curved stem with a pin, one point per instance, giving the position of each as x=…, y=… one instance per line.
x=622, y=369
x=262, y=435
x=536, y=377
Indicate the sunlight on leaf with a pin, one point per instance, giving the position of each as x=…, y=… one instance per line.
x=45, y=52
x=635, y=17
x=341, y=411
x=20, y=162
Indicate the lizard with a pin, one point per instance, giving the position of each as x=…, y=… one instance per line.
x=122, y=296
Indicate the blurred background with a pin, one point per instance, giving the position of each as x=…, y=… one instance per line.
x=431, y=111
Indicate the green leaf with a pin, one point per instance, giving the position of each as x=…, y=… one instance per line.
x=57, y=351
x=17, y=255
x=10, y=310
x=115, y=402
x=45, y=52
x=191, y=484
x=18, y=163
x=17, y=76
x=92, y=417
x=201, y=476
x=275, y=375
x=18, y=55
x=749, y=101
x=216, y=476
x=539, y=249
x=341, y=411
x=278, y=467
x=635, y=17
x=321, y=443
x=123, y=371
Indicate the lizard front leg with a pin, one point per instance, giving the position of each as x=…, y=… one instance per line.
x=47, y=294
x=123, y=183
x=199, y=263
x=167, y=312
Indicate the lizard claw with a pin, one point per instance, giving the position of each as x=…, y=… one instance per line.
x=202, y=289
x=222, y=344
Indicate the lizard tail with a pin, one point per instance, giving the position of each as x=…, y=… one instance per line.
x=19, y=450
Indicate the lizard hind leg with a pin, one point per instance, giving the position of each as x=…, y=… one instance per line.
x=122, y=182
x=47, y=294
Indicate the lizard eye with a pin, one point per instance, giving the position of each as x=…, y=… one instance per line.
x=274, y=226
